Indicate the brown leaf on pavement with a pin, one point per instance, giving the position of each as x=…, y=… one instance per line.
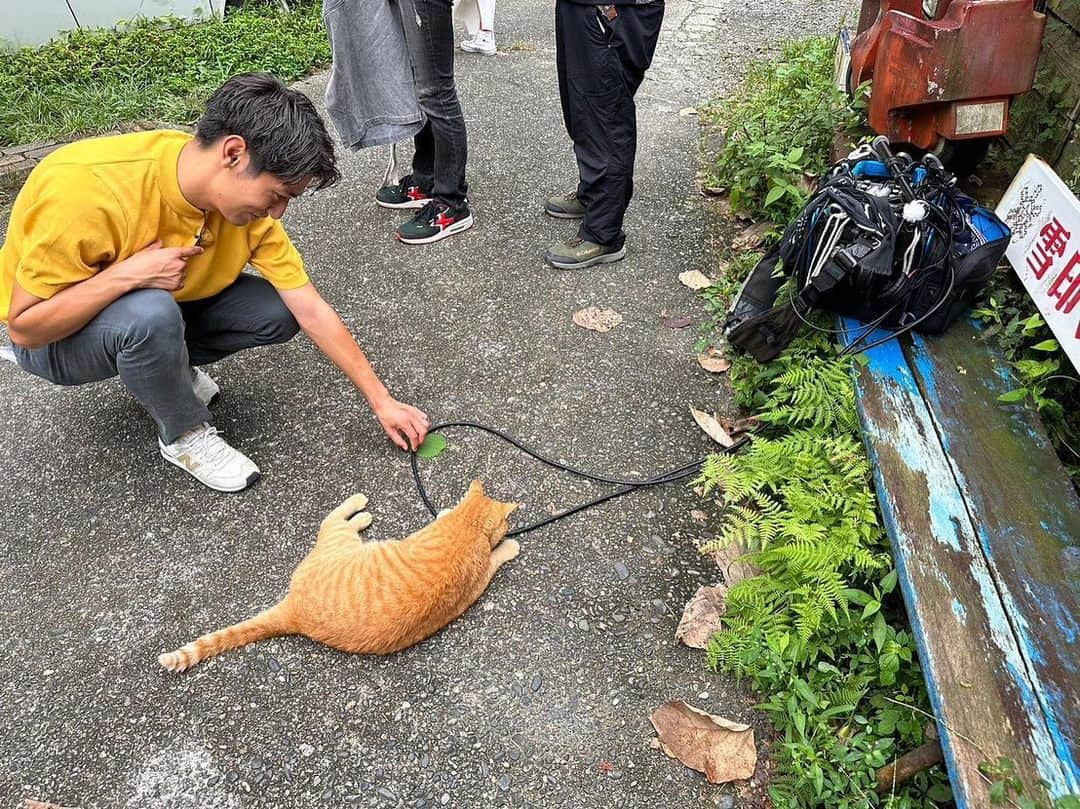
x=734, y=564
x=597, y=319
x=713, y=361
x=746, y=425
x=712, y=427
x=699, y=516
x=752, y=237
x=701, y=616
x=722, y=749
x=677, y=321
x=29, y=803
x=695, y=279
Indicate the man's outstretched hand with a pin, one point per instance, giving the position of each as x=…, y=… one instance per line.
x=406, y=425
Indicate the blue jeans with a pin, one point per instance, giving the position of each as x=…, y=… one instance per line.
x=441, y=148
x=151, y=341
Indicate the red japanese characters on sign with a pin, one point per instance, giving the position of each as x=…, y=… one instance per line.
x=1044, y=216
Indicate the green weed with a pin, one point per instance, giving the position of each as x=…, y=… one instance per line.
x=160, y=69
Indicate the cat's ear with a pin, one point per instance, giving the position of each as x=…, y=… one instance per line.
x=509, y=508
x=476, y=487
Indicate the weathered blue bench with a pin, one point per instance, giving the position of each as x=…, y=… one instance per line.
x=985, y=528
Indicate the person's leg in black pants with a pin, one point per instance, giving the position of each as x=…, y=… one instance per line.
x=441, y=146
x=601, y=63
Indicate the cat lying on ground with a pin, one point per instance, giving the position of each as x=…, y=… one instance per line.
x=378, y=597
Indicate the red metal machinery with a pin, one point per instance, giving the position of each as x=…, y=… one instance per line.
x=945, y=71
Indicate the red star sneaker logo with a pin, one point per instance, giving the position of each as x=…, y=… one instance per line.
x=443, y=221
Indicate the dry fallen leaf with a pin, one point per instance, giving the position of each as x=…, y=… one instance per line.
x=29, y=803
x=597, y=319
x=741, y=425
x=712, y=427
x=713, y=361
x=751, y=237
x=677, y=321
x=733, y=564
x=701, y=616
x=699, y=516
x=722, y=749
x=695, y=279
x=687, y=111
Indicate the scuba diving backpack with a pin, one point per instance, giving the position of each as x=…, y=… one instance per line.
x=884, y=239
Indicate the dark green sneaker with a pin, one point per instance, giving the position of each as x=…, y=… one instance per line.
x=435, y=221
x=577, y=253
x=403, y=194
x=565, y=206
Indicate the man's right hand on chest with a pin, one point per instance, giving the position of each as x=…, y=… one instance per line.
x=156, y=267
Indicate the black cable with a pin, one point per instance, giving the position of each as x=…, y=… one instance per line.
x=893, y=335
x=626, y=486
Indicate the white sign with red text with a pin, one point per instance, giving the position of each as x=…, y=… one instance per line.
x=1044, y=216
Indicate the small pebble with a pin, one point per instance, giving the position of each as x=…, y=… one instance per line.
x=504, y=782
x=536, y=683
x=622, y=571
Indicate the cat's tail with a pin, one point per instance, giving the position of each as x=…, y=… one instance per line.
x=267, y=624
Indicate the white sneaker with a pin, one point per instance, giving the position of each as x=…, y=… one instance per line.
x=206, y=389
x=483, y=42
x=203, y=452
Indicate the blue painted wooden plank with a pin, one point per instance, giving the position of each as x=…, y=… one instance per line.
x=976, y=674
x=1026, y=515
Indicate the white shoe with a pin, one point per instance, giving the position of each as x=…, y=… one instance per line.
x=483, y=42
x=206, y=389
x=203, y=453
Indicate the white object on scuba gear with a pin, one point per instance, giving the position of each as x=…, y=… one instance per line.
x=914, y=211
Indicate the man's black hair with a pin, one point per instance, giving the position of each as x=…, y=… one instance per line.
x=284, y=134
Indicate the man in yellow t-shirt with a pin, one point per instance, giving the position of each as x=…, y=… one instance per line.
x=124, y=256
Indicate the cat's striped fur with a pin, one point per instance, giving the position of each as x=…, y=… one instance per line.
x=378, y=597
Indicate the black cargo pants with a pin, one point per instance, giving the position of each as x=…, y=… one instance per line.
x=602, y=59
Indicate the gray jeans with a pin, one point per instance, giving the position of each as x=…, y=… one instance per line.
x=151, y=341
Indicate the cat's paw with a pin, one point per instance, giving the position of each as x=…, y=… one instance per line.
x=509, y=548
x=443, y=513
x=358, y=502
x=348, y=509
x=359, y=521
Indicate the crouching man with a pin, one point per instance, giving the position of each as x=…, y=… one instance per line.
x=124, y=256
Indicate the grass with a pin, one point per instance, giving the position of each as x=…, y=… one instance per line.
x=161, y=70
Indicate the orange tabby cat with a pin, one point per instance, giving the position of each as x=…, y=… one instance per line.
x=378, y=597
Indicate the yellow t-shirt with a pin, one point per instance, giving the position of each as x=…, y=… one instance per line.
x=95, y=202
